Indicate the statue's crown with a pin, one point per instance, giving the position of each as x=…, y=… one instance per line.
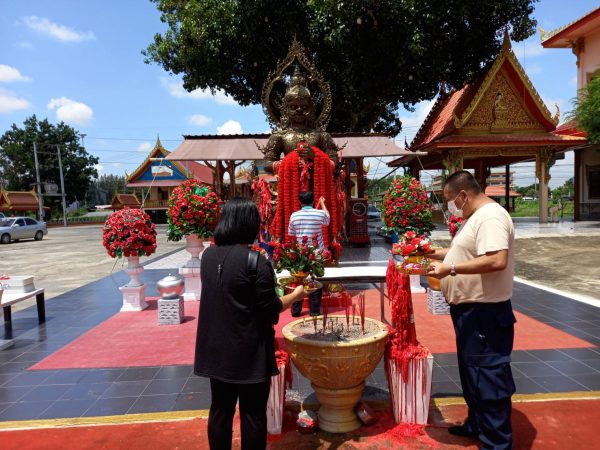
x=297, y=86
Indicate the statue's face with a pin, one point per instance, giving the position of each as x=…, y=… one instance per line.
x=298, y=109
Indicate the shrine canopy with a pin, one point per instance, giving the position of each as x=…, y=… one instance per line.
x=13, y=201
x=498, y=119
x=121, y=201
x=245, y=147
x=157, y=171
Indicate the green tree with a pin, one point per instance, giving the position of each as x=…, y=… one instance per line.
x=376, y=54
x=566, y=191
x=586, y=110
x=17, y=166
x=103, y=189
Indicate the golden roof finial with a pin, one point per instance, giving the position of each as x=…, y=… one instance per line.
x=158, y=143
x=542, y=34
x=506, y=41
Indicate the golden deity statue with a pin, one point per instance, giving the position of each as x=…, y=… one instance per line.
x=294, y=116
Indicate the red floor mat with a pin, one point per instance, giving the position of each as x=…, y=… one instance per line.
x=133, y=339
x=548, y=425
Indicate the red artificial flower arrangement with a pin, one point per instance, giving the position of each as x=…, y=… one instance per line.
x=193, y=209
x=129, y=232
x=301, y=258
x=454, y=225
x=406, y=207
x=259, y=249
x=412, y=244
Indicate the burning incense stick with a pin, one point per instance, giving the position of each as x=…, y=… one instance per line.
x=361, y=305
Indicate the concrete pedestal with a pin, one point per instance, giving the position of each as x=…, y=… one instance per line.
x=170, y=311
x=415, y=285
x=191, y=280
x=134, y=298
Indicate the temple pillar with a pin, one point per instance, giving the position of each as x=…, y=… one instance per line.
x=481, y=173
x=453, y=161
x=231, y=170
x=544, y=160
x=577, y=186
x=360, y=184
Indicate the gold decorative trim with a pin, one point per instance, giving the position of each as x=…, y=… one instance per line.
x=505, y=53
x=168, y=416
x=545, y=35
x=527, y=398
x=297, y=53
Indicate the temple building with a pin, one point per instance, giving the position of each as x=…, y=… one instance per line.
x=156, y=178
x=14, y=203
x=497, y=120
x=583, y=37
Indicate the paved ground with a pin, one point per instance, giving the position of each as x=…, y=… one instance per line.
x=565, y=256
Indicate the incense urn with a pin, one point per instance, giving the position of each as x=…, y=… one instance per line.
x=337, y=371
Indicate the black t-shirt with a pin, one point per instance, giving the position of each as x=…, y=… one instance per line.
x=235, y=338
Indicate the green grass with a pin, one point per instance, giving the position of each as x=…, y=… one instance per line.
x=531, y=208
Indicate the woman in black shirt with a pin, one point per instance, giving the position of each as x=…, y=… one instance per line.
x=235, y=338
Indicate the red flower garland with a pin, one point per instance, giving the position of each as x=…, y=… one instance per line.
x=265, y=207
x=292, y=176
x=129, y=232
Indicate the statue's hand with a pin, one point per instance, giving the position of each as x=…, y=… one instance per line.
x=306, y=152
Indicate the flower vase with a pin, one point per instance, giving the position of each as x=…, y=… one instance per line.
x=134, y=292
x=191, y=270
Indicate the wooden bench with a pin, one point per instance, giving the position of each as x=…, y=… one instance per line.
x=12, y=298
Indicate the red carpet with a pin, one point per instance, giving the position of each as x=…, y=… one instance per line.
x=131, y=339
x=547, y=425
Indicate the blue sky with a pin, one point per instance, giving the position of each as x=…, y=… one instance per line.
x=81, y=62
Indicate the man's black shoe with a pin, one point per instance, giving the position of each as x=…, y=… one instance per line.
x=462, y=431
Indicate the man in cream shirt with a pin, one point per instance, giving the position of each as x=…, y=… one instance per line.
x=476, y=275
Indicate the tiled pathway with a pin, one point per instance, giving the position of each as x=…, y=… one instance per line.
x=98, y=392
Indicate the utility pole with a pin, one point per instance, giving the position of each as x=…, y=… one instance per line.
x=39, y=183
x=62, y=186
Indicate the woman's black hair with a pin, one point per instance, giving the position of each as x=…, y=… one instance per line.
x=239, y=222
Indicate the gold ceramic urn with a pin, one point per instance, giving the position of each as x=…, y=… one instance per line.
x=337, y=371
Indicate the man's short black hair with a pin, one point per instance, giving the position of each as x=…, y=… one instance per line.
x=463, y=180
x=239, y=222
x=307, y=198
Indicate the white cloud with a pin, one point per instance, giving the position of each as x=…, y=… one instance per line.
x=573, y=81
x=533, y=69
x=24, y=44
x=9, y=74
x=116, y=165
x=70, y=111
x=529, y=48
x=176, y=89
x=200, y=120
x=9, y=102
x=144, y=147
x=57, y=31
x=411, y=122
x=230, y=127
x=99, y=168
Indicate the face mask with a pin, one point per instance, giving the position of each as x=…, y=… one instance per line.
x=453, y=210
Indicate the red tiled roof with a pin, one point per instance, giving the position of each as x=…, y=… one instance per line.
x=565, y=35
x=440, y=121
x=122, y=200
x=569, y=129
x=18, y=200
x=200, y=171
x=499, y=191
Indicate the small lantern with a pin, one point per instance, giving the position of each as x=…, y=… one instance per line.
x=170, y=305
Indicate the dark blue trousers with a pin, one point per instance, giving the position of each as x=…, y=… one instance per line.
x=314, y=302
x=484, y=342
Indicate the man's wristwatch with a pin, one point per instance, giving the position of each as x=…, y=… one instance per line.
x=452, y=270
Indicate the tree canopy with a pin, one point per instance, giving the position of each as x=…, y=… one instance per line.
x=376, y=54
x=587, y=108
x=17, y=166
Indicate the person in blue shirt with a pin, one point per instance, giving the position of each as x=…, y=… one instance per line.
x=309, y=222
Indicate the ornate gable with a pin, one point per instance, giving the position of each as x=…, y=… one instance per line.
x=506, y=101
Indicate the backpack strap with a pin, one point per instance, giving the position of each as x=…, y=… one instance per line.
x=252, y=268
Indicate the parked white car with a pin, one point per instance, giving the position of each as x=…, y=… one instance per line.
x=15, y=228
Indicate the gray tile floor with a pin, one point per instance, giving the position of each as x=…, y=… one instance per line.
x=97, y=392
